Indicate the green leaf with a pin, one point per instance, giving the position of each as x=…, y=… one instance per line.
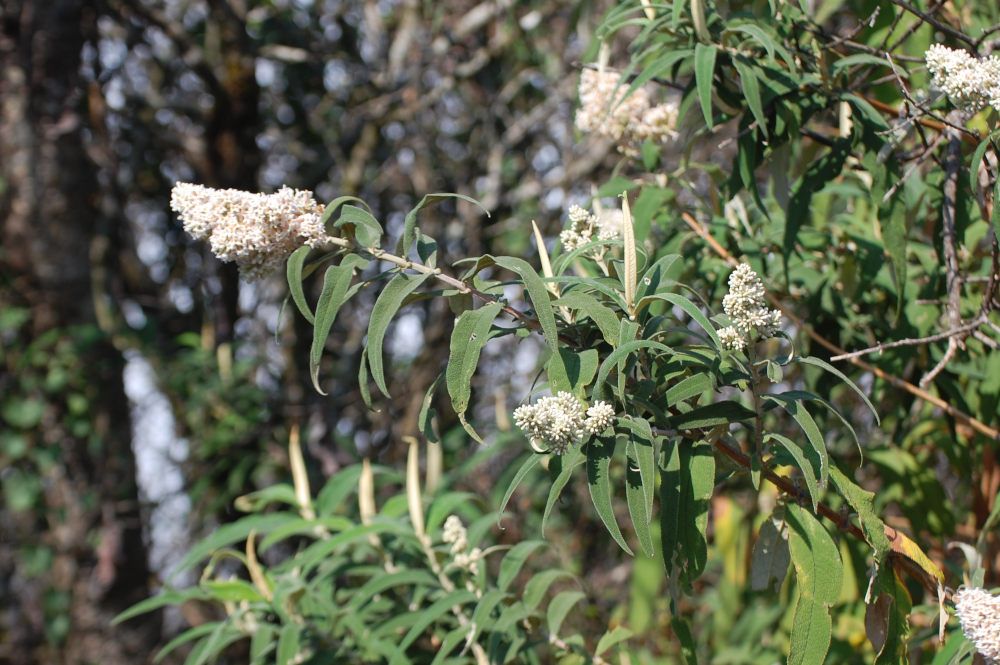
x=606, y=320
x=563, y=466
x=862, y=502
x=704, y=70
x=694, y=312
x=819, y=173
x=426, y=616
x=293, y=272
x=410, y=221
x=514, y=560
x=530, y=462
x=336, y=283
x=770, y=553
x=384, y=310
x=819, y=572
x=751, y=92
x=809, y=473
x=710, y=415
x=559, y=607
x=687, y=483
x=892, y=219
x=600, y=450
x=470, y=334
x=232, y=533
x=160, y=600
x=798, y=411
x=822, y=364
x=536, y=588
x=188, y=636
x=580, y=367
x=409, y=579
x=362, y=225
x=635, y=495
x=288, y=643
x=601, y=390
x=233, y=591
x=611, y=638
x=689, y=387
x=640, y=480
x=339, y=487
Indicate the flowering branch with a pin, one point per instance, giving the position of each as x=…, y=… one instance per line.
x=897, y=382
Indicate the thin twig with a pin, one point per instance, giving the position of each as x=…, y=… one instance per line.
x=879, y=348
x=897, y=382
x=938, y=25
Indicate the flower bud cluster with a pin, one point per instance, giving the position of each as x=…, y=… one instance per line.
x=979, y=613
x=555, y=423
x=746, y=308
x=456, y=535
x=257, y=231
x=583, y=224
x=969, y=82
x=604, y=109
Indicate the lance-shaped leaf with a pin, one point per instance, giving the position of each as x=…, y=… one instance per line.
x=600, y=450
x=819, y=572
x=794, y=408
x=704, y=70
x=470, y=334
x=687, y=482
x=410, y=221
x=770, y=553
x=790, y=449
x=385, y=308
x=336, y=291
x=293, y=273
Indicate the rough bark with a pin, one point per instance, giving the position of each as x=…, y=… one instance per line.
x=87, y=516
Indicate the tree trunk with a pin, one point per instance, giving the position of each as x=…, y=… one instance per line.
x=71, y=554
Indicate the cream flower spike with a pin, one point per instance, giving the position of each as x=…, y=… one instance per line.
x=257, y=231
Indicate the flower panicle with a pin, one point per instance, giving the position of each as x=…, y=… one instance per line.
x=979, y=613
x=970, y=83
x=556, y=423
x=746, y=307
x=628, y=120
x=257, y=231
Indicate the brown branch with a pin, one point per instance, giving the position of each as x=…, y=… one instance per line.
x=897, y=541
x=895, y=381
x=966, y=329
x=936, y=24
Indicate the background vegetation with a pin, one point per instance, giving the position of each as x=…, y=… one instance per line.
x=811, y=145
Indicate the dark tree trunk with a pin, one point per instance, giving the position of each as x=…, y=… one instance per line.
x=85, y=522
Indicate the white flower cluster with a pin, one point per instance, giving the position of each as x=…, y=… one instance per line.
x=463, y=557
x=604, y=109
x=969, y=82
x=258, y=231
x=979, y=613
x=746, y=308
x=558, y=422
x=583, y=224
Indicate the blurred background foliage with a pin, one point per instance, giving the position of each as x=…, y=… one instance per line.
x=106, y=103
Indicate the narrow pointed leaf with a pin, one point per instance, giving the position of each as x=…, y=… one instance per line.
x=384, y=310
x=470, y=334
x=599, y=453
